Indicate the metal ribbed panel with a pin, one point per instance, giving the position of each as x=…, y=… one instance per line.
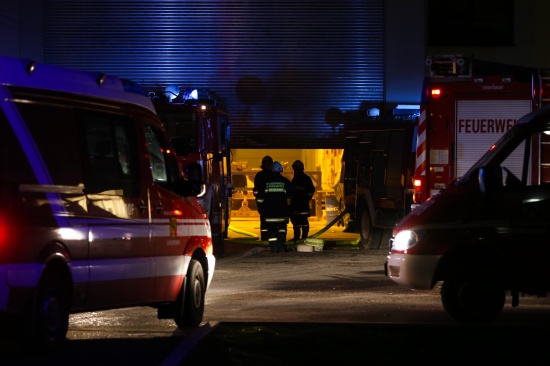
x=280, y=65
x=473, y=139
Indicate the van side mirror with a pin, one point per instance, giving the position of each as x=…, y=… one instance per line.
x=482, y=180
x=490, y=179
x=490, y=183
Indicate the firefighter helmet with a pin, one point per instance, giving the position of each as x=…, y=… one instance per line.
x=267, y=161
x=298, y=165
x=277, y=167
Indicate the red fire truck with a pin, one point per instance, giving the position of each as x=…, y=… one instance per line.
x=466, y=106
x=198, y=125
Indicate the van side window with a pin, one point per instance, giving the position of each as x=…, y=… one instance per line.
x=46, y=148
x=163, y=163
x=111, y=154
x=14, y=165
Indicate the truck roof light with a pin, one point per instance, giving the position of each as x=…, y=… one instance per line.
x=171, y=91
x=436, y=93
x=191, y=94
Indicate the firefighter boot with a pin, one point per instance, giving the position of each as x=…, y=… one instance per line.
x=305, y=231
x=296, y=232
x=273, y=245
x=281, y=240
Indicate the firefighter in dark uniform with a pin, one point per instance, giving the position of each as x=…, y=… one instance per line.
x=274, y=192
x=267, y=161
x=299, y=203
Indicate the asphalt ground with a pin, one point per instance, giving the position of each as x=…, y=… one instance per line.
x=281, y=344
x=344, y=343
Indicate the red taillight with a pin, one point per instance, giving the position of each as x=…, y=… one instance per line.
x=6, y=235
x=3, y=233
x=436, y=93
x=417, y=183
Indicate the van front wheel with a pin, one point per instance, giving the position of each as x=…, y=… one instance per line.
x=472, y=299
x=51, y=311
x=195, y=291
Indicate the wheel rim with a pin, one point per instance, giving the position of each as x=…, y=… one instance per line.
x=365, y=225
x=197, y=291
x=51, y=310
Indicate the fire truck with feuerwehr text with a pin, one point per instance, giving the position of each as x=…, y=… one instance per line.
x=466, y=105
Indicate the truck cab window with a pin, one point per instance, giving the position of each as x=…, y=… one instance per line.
x=163, y=163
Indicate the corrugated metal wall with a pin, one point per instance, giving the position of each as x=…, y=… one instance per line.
x=286, y=67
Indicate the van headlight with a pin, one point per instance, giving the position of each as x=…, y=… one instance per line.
x=404, y=240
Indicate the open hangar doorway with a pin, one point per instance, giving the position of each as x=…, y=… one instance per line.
x=322, y=165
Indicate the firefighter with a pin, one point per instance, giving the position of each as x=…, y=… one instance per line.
x=273, y=193
x=299, y=203
x=259, y=179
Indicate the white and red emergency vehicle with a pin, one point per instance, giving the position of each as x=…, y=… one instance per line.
x=198, y=125
x=466, y=106
x=485, y=234
x=95, y=212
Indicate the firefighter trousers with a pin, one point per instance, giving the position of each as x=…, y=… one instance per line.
x=300, y=225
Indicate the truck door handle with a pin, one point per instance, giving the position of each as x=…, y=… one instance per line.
x=142, y=206
x=158, y=207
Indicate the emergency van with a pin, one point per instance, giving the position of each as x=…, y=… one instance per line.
x=95, y=210
x=486, y=234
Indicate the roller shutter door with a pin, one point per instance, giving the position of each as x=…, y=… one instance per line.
x=286, y=68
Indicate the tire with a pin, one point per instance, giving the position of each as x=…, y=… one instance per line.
x=218, y=244
x=195, y=290
x=50, y=312
x=468, y=298
x=370, y=235
x=217, y=237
